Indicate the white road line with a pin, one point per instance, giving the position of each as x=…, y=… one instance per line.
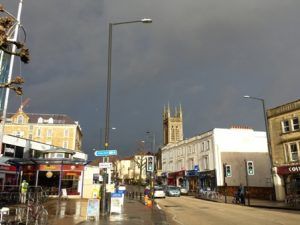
x=158, y=206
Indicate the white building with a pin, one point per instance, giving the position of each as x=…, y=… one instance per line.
x=198, y=162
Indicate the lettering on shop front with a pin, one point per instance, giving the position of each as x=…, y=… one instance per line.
x=294, y=169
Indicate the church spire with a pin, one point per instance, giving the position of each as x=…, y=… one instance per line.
x=180, y=111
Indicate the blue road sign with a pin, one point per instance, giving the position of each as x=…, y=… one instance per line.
x=105, y=152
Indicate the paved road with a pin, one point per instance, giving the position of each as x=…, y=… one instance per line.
x=191, y=211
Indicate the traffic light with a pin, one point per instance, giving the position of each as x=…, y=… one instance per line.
x=250, y=168
x=150, y=164
x=228, y=172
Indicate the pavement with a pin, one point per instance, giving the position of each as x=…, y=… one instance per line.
x=258, y=203
x=134, y=212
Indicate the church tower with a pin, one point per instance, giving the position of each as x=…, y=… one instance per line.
x=172, y=125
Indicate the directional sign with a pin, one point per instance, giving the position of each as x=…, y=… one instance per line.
x=105, y=152
x=105, y=165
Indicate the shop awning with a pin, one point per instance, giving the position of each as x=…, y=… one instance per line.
x=37, y=161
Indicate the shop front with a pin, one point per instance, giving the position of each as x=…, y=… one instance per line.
x=192, y=178
x=176, y=178
x=8, y=176
x=57, y=177
x=207, y=180
x=291, y=178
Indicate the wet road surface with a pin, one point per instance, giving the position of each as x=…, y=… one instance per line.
x=73, y=212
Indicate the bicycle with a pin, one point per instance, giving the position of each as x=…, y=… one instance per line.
x=34, y=213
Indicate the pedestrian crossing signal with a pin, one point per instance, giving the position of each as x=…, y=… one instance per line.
x=150, y=164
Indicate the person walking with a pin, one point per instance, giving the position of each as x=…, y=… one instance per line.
x=242, y=193
x=24, y=189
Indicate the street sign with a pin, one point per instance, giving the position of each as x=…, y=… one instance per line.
x=105, y=152
x=105, y=165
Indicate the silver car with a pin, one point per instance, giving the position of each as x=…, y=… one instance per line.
x=173, y=191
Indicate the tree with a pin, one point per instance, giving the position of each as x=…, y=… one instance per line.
x=8, y=24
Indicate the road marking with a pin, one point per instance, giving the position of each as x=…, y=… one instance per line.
x=158, y=206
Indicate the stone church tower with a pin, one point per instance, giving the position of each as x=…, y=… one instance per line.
x=172, y=125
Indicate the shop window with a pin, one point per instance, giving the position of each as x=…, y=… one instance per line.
x=285, y=126
x=295, y=123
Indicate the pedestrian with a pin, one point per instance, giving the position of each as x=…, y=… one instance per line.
x=241, y=192
x=24, y=189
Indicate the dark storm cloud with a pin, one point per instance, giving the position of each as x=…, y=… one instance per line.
x=204, y=54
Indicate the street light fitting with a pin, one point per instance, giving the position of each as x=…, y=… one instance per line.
x=146, y=20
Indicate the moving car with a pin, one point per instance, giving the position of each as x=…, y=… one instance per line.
x=159, y=192
x=173, y=191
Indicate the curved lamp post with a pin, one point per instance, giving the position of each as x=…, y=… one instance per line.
x=107, y=110
x=267, y=133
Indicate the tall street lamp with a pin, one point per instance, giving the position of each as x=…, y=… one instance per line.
x=268, y=134
x=107, y=110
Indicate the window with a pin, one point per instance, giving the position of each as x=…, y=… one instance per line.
x=20, y=119
x=38, y=132
x=66, y=132
x=49, y=133
x=285, y=126
x=207, y=145
x=65, y=144
x=202, y=147
x=295, y=123
x=293, y=152
x=31, y=127
x=30, y=136
x=206, y=162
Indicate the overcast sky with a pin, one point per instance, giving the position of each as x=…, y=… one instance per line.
x=203, y=54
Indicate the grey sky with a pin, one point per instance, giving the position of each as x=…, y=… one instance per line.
x=204, y=54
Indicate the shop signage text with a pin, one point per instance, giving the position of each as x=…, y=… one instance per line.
x=288, y=169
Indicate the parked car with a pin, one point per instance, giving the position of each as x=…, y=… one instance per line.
x=173, y=191
x=159, y=192
x=183, y=190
